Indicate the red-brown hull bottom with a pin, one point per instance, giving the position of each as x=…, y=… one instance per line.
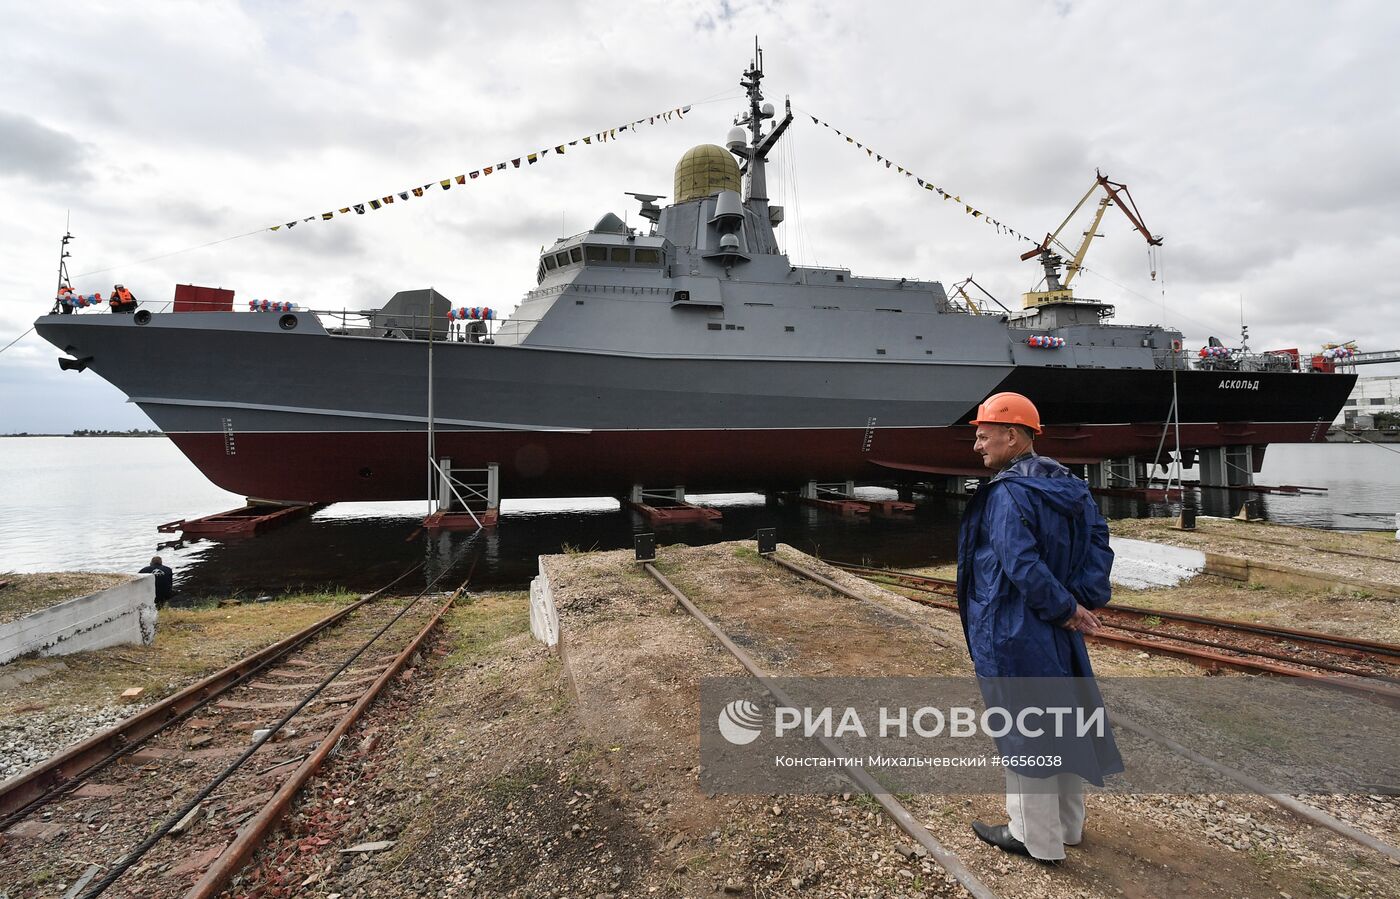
x=392, y=465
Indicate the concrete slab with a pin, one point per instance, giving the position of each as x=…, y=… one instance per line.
x=544, y=616
x=1142, y=565
x=124, y=614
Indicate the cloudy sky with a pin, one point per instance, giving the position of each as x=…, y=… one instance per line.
x=1260, y=139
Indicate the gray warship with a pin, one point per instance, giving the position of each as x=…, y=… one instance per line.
x=692, y=351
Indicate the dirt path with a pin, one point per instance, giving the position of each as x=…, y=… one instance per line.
x=1135, y=846
x=502, y=770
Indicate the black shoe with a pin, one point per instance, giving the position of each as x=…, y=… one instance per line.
x=999, y=835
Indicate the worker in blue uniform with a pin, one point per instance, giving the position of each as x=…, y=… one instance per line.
x=1033, y=564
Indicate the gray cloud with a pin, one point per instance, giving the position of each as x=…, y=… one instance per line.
x=1258, y=140
x=30, y=149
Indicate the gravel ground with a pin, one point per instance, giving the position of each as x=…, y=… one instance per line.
x=28, y=739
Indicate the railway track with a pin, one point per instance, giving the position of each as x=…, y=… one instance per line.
x=857, y=775
x=1310, y=813
x=172, y=801
x=1365, y=667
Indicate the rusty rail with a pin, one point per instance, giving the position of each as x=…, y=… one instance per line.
x=23, y=792
x=1303, y=810
x=1331, y=641
x=217, y=876
x=857, y=775
x=1377, y=688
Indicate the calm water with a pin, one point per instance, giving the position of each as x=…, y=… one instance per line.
x=69, y=504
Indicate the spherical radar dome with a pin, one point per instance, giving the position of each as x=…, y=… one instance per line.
x=704, y=171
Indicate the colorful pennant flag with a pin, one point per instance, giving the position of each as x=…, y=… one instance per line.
x=926, y=185
x=602, y=136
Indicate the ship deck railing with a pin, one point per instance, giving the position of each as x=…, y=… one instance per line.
x=412, y=326
x=1246, y=363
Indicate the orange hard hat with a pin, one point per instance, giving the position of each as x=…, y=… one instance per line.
x=1008, y=409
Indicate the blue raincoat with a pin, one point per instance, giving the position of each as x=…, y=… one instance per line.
x=1032, y=544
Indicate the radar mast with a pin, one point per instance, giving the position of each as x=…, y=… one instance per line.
x=754, y=148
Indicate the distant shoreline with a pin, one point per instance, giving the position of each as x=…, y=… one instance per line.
x=93, y=434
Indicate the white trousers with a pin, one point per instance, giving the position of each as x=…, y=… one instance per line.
x=1047, y=813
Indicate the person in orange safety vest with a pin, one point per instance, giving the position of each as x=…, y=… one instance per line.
x=122, y=300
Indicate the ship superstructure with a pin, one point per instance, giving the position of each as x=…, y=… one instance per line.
x=691, y=352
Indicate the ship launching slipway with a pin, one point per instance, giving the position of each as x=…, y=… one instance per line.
x=690, y=352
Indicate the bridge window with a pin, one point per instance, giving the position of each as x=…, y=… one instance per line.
x=550, y=264
x=561, y=258
x=595, y=254
x=619, y=254
x=647, y=256
x=575, y=255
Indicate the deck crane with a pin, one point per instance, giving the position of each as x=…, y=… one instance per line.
x=1057, y=291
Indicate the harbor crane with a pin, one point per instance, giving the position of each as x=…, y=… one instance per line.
x=1057, y=290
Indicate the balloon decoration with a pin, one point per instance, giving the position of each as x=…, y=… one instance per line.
x=1045, y=342
x=270, y=306
x=80, y=300
x=1218, y=351
x=474, y=313
x=1338, y=352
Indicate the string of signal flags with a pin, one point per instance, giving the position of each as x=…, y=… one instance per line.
x=526, y=160
x=610, y=134
x=890, y=164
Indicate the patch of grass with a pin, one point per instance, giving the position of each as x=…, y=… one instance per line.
x=748, y=553
x=39, y=877
x=509, y=787
x=26, y=593
x=190, y=643
x=867, y=803
x=1152, y=620
x=571, y=549
x=480, y=625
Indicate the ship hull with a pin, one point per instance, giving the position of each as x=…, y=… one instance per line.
x=388, y=465
x=304, y=415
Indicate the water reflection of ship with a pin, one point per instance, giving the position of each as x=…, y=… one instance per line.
x=695, y=353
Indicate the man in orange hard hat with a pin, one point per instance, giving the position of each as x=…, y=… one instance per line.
x=1033, y=564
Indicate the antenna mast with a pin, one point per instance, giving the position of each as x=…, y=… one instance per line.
x=63, y=256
